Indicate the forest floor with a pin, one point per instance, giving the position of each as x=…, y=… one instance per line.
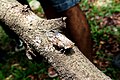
x=104, y=20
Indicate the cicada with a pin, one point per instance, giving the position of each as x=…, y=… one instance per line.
x=61, y=41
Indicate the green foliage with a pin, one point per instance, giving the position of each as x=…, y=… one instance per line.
x=95, y=15
x=3, y=38
x=117, y=33
x=112, y=72
x=29, y=0
x=1, y=75
x=18, y=67
x=100, y=34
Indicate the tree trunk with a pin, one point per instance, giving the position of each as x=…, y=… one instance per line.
x=70, y=65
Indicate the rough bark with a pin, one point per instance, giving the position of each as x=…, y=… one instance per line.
x=32, y=29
